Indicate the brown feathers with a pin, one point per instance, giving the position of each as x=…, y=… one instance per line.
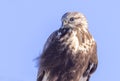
x=70, y=52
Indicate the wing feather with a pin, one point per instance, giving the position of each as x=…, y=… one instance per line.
x=50, y=40
x=42, y=73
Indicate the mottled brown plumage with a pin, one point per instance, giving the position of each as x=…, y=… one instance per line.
x=70, y=53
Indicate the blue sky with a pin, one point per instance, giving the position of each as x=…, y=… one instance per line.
x=26, y=24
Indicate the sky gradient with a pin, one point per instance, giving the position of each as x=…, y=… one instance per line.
x=26, y=24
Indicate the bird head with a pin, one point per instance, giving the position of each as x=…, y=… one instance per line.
x=73, y=19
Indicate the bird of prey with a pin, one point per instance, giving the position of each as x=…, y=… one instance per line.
x=70, y=53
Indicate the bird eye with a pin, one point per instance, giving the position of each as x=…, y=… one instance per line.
x=72, y=19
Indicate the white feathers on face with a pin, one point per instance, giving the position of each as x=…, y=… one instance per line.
x=73, y=19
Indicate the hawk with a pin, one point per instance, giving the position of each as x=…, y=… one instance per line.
x=70, y=53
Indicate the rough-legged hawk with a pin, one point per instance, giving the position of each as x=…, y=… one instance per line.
x=70, y=52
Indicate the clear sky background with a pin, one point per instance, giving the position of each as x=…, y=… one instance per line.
x=26, y=24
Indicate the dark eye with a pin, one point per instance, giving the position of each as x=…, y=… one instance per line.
x=72, y=19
